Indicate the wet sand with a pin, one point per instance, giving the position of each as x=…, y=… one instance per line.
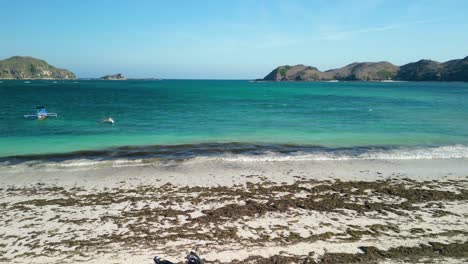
x=233, y=211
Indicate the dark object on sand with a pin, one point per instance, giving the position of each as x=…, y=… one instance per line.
x=158, y=260
x=192, y=258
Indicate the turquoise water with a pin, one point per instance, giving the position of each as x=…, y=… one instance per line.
x=172, y=112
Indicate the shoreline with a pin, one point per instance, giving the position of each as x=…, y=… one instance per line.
x=254, y=212
x=224, y=172
x=256, y=151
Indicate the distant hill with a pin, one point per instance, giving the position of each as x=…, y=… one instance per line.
x=423, y=70
x=455, y=70
x=365, y=71
x=117, y=76
x=296, y=73
x=428, y=70
x=18, y=67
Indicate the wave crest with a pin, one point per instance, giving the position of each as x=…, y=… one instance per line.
x=232, y=152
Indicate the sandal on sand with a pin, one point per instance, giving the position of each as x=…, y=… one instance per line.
x=192, y=258
x=157, y=260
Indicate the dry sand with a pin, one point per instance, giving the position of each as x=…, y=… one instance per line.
x=235, y=211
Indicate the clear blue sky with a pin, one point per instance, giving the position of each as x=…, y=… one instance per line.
x=229, y=39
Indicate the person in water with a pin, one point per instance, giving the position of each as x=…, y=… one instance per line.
x=107, y=120
x=41, y=113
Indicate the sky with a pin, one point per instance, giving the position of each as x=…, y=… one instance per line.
x=243, y=39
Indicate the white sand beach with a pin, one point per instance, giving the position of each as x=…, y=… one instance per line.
x=234, y=211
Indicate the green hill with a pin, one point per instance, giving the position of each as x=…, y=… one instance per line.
x=20, y=68
x=364, y=71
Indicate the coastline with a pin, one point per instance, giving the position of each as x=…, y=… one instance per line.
x=246, y=151
x=234, y=210
x=378, y=173
x=234, y=132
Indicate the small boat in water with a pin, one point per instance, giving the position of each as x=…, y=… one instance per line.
x=41, y=113
x=107, y=121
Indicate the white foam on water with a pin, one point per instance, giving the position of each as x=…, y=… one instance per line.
x=401, y=153
x=443, y=152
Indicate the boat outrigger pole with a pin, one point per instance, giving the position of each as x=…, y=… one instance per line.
x=41, y=113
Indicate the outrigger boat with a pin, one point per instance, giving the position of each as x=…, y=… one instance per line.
x=41, y=113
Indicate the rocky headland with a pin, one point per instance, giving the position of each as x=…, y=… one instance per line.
x=423, y=70
x=28, y=68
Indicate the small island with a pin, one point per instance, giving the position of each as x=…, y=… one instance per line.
x=114, y=77
x=422, y=70
x=29, y=68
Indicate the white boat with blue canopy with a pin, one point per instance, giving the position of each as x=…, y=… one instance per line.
x=41, y=113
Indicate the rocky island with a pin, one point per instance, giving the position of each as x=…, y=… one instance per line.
x=28, y=68
x=117, y=76
x=423, y=70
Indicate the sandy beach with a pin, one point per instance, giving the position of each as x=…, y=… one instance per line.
x=235, y=211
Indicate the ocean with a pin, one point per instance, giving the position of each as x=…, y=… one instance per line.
x=188, y=118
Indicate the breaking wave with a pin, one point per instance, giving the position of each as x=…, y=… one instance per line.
x=131, y=156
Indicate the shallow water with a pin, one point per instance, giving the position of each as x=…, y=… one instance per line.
x=316, y=117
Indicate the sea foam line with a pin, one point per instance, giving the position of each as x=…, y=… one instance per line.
x=320, y=154
x=443, y=152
